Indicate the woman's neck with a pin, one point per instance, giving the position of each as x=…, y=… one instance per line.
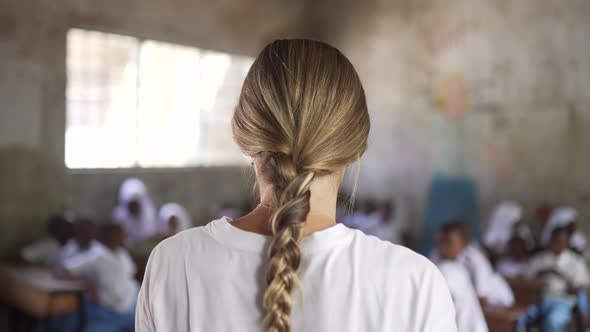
x=322, y=208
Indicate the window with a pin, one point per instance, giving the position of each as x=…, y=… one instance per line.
x=142, y=103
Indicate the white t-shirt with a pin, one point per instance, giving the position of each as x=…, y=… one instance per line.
x=113, y=275
x=44, y=251
x=470, y=318
x=211, y=279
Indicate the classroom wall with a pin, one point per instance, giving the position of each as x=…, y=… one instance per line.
x=33, y=179
x=492, y=91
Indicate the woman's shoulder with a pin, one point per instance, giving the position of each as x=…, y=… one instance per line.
x=391, y=256
x=196, y=236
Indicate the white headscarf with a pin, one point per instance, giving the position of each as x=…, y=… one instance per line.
x=138, y=228
x=501, y=225
x=169, y=210
x=560, y=217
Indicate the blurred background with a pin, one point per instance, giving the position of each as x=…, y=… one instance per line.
x=472, y=102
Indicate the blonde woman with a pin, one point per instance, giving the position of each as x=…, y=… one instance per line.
x=287, y=265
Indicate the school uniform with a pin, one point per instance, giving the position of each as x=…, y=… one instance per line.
x=501, y=225
x=44, y=251
x=557, y=304
x=72, y=249
x=112, y=274
x=143, y=226
x=510, y=268
x=562, y=217
x=469, y=315
x=170, y=210
x=488, y=284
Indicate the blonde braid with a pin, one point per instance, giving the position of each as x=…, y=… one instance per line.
x=303, y=111
x=284, y=253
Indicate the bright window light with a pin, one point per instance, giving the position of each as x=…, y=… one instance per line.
x=142, y=103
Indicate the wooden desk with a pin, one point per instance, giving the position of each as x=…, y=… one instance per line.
x=36, y=292
x=502, y=319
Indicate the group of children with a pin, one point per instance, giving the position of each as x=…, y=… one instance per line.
x=550, y=250
x=98, y=255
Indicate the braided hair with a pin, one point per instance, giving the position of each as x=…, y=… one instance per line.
x=303, y=111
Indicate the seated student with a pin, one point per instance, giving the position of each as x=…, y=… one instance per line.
x=514, y=264
x=46, y=250
x=111, y=306
x=173, y=219
x=489, y=285
x=566, y=276
x=135, y=211
x=469, y=315
x=565, y=217
x=84, y=242
x=501, y=226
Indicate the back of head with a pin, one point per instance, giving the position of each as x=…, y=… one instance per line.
x=112, y=235
x=85, y=231
x=452, y=238
x=303, y=113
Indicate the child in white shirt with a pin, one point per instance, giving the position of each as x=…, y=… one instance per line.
x=566, y=278
x=489, y=285
x=111, y=272
x=46, y=250
x=515, y=263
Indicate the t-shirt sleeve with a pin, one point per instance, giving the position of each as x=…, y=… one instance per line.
x=144, y=316
x=435, y=311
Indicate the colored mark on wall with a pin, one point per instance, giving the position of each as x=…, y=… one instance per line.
x=441, y=39
x=492, y=157
x=452, y=96
x=450, y=199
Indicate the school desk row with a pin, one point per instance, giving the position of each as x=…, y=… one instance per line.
x=36, y=292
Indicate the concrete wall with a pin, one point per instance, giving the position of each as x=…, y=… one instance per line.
x=520, y=71
x=33, y=179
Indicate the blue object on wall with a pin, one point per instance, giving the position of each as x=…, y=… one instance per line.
x=449, y=199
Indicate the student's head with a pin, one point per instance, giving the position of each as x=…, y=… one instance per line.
x=85, y=232
x=60, y=229
x=134, y=207
x=302, y=116
x=517, y=248
x=560, y=238
x=173, y=224
x=134, y=196
x=451, y=239
x=112, y=235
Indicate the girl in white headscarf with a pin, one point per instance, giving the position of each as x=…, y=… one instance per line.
x=565, y=217
x=135, y=211
x=173, y=219
x=501, y=225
